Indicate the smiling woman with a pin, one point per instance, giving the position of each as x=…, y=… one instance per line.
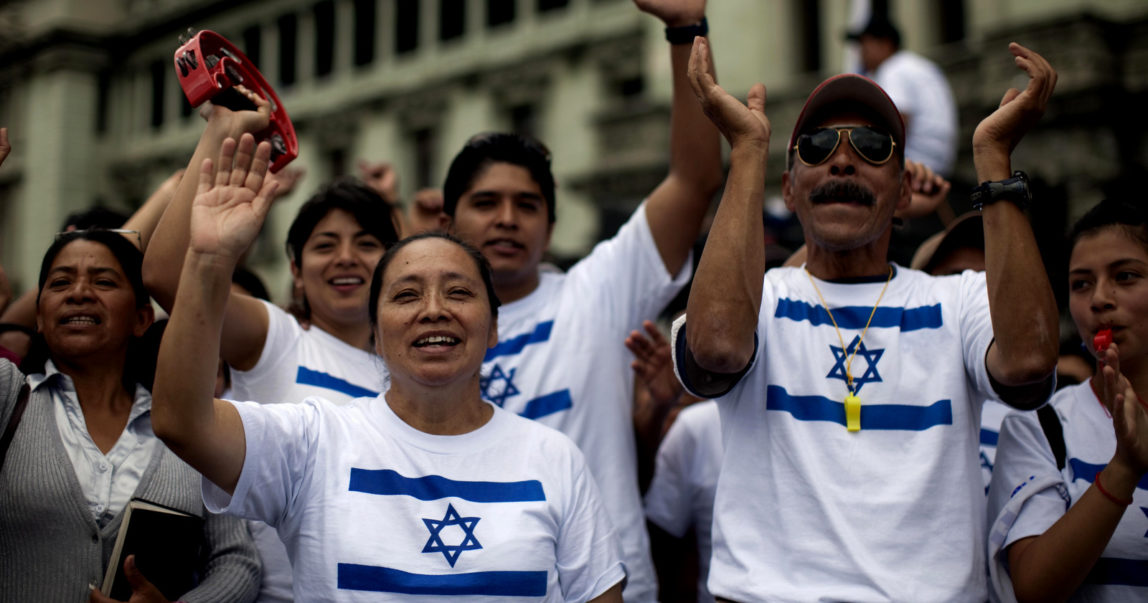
x=84, y=445
x=475, y=501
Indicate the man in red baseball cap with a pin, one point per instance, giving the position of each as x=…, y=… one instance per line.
x=849, y=388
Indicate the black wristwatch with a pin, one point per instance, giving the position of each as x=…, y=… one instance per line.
x=1013, y=189
x=685, y=34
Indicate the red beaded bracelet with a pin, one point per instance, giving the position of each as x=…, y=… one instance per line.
x=1108, y=495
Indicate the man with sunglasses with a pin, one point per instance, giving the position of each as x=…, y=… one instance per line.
x=850, y=388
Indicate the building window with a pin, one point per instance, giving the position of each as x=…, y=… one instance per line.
x=546, y=5
x=451, y=19
x=406, y=25
x=288, y=41
x=809, y=35
x=252, y=38
x=337, y=162
x=364, y=32
x=499, y=12
x=103, y=90
x=952, y=21
x=524, y=120
x=324, y=37
x=159, y=70
x=425, y=147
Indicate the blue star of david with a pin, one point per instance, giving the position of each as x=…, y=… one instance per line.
x=451, y=552
x=871, y=358
x=500, y=395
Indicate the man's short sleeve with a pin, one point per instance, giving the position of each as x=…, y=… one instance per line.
x=698, y=381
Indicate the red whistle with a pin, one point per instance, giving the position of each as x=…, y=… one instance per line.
x=1102, y=340
x=208, y=68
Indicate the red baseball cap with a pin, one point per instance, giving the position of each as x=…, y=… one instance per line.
x=849, y=92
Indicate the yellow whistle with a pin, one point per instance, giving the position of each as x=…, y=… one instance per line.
x=852, y=413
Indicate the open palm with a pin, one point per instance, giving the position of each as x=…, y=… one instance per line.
x=230, y=206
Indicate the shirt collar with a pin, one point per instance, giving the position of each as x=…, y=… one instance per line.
x=63, y=389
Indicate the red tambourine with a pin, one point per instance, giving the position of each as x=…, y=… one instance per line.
x=208, y=68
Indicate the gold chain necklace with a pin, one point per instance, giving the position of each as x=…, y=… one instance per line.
x=852, y=402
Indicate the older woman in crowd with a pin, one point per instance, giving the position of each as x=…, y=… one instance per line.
x=423, y=490
x=80, y=444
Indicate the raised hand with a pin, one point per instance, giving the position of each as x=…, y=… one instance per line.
x=653, y=364
x=739, y=123
x=1129, y=414
x=674, y=13
x=382, y=177
x=228, y=212
x=286, y=179
x=929, y=190
x=235, y=123
x=1000, y=132
x=5, y=146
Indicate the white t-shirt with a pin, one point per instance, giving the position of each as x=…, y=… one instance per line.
x=921, y=92
x=297, y=363
x=992, y=415
x=896, y=511
x=375, y=510
x=560, y=361
x=681, y=494
x=1028, y=495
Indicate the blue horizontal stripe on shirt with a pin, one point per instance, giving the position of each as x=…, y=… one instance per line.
x=1088, y=471
x=387, y=482
x=306, y=376
x=856, y=317
x=497, y=584
x=1111, y=571
x=548, y=404
x=989, y=437
x=873, y=416
x=515, y=345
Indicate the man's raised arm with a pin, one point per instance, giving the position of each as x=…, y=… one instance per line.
x=677, y=206
x=726, y=294
x=1024, y=314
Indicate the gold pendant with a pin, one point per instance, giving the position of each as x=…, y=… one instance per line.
x=852, y=413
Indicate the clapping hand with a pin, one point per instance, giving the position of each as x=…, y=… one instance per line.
x=999, y=133
x=1129, y=414
x=653, y=364
x=739, y=123
x=930, y=190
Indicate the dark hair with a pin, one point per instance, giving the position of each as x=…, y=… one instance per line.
x=1129, y=216
x=250, y=282
x=95, y=217
x=479, y=262
x=365, y=205
x=485, y=149
x=130, y=259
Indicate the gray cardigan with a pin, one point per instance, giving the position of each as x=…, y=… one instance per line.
x=51, y=548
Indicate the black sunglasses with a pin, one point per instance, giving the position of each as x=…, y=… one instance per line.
x=873, y=145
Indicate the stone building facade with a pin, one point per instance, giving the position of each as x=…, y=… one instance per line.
x=96, y=116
